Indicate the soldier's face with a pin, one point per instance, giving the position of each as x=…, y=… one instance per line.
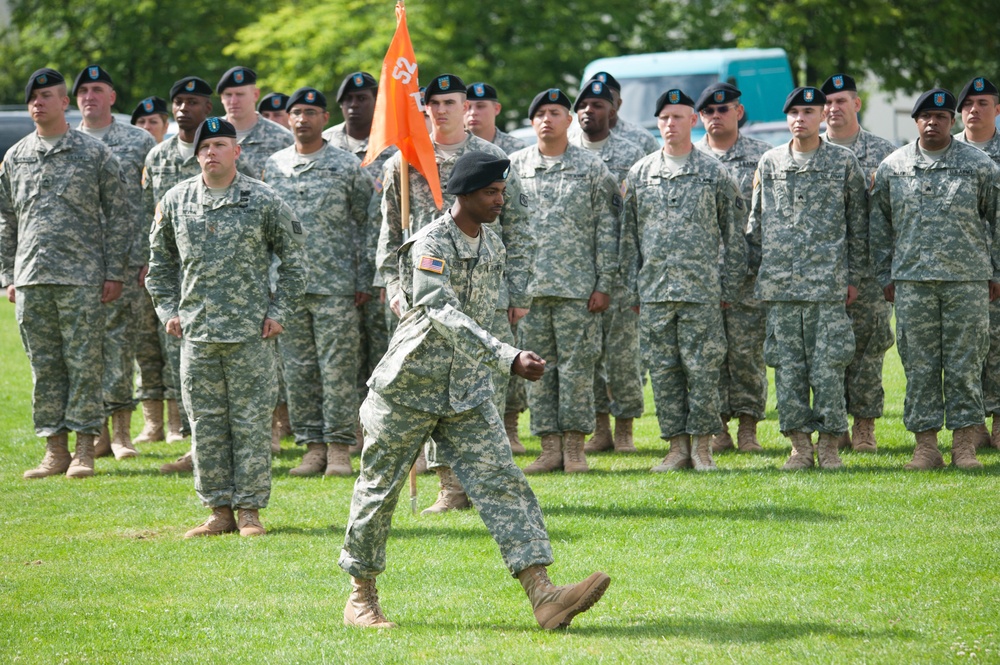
x=190, y=110
x=675, y=123
x=155, y=124
x=358, y=107
x=842, y=109
x=308, y=122
x=722, y=119
x=551, y=121
x=594, y=115
x=447, y=111
x=95, y=100
x=980, y=111
x=240, y=101
x=48, y=104
x=217, y=156
x=481, y=115
x=934, y=128
x=280, y=117
x=485, y=205
x=804, y=121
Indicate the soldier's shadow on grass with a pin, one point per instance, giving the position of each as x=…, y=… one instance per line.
x=464, y=533
x=763, y=513
x=129, y=471
x=729, y=632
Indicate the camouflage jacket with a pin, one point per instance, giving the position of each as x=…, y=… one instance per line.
x=870, y=151
x=440, y=356
x=673, y=225
x=808, y=230
x=935, y=221
x=575, y=208
x=509, y=144
x=617, y=153
x=337, y=136
x=265, y=139
x=330, y=196
x=514, y=224
x=63, y=214
x=637, y=135
x=992, y=148
x=209, y=259
x=165, y=167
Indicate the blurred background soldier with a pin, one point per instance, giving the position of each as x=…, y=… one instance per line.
x=481, y=117
x=151, y=114
x=272, y=106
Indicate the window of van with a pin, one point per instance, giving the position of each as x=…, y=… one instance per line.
x=640, y=94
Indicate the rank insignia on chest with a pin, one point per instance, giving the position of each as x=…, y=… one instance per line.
x=431, y=264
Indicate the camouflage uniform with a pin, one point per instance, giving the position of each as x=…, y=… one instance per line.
x=575, y=220
x=509, y=144
x=640, y=136
x=320, y=348
x=870, y=314
x=808, y=242
x=64, y=231
x=618, y=375
x=208, y=264
x=266, y=138
x=437, y=381
x=673, y=226
x=743, y=375
x=934, y=234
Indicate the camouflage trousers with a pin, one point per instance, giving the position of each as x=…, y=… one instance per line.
x=743, y=374
x=62, y=328
x=473, y=445
x=870, y=318
x=156, y=379
x=809, y=345
x=618, y=375
x=991, y=368
x=942, y=333
x=118, y=349
x=320, y=349
x=173, y=346
x=568, y=337
x=230, y=409
x=683, y=346
x=374, y=340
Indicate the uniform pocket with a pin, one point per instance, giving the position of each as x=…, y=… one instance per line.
x=836, y=338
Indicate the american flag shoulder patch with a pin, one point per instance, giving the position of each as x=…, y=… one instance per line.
x=431, y=264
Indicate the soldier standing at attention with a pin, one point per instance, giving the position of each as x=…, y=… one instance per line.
x=870, y=314
x=95, y=95
x=166, y=165
x=808, y=248
x=575, y=269
x=481, y=117
x=618, y=374
x=743, y=375
x=212, y=242
x=65, y=238
x=330, y=195
x=634, y=133
x=435, y=381
x=935, y=246
x=151, y=115
x=272, y=107
x=681, y=207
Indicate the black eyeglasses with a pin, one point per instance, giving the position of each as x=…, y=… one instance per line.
x=722, y=109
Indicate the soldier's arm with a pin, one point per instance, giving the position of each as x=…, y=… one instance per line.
x=164, y=277
x=390, y=235
x=880, y=232
x=989, y=208
x=753, y=230
x=360, y=199
x=856, y=208
x=515, y=224
x=629, y=254
x=606, y=202
x=732, y=211
x=8, y=229
x=284, y=235
x=118, y=226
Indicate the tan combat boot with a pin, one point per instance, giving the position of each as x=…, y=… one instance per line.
x=995, y=437
x=510, y=427
x=183, y=464
x=723, y=440
x=338, y=460
x=701, y=453
x=219, y=522
x=963, y=448
x=574, y=459
x=826, y=452
x=249, y=523
x=82, y=465
x=863, y=435
x=926, y=455
x=624, y=443
x=57, y=458
x=313, y=462
x=679, y=456
x=173, y=422
x=451, y=496
x=802, y=452
x=363, y=609
x=555, y=606
x=102, y=447
x=746, y=435
x=844, y=441
x=152, y=415
x=602, y=439
x=121, y=444
x=551, y=458
x=980, y=436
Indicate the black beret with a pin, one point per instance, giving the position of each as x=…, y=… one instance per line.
x=483, y=91
x=42, y=78
x=355, y=82
x=272, y=101
x=212, y=128
x=235, y=77
x=149, y=106
x=673, y=96
x=594, y=89
x=804, y=97
x=475, y=170
x=90, y=74
x=550, y=96
x=310, y=96
x=977, y=86
x=443, y=85
x=717, y=93
x=191, y=85
x=937, y=99
x=605, y=77
x=838, y=83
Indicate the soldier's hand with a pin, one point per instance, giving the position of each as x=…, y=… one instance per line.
x=528, y=364
x=723, y=304
x=515, y=314
x=143, y=271
x=994, y=291
x=272, y=328
x=381, y=296
x=598, y=302
x=174, y=327
x=11, y=293
x=112, y=291
x=852, y=294
x=890, y=293
x=395, y=307
x=361, y=297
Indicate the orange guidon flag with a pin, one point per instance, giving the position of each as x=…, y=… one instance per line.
x=399, y=120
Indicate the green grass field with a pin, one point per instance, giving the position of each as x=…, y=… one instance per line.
x=747, y=565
